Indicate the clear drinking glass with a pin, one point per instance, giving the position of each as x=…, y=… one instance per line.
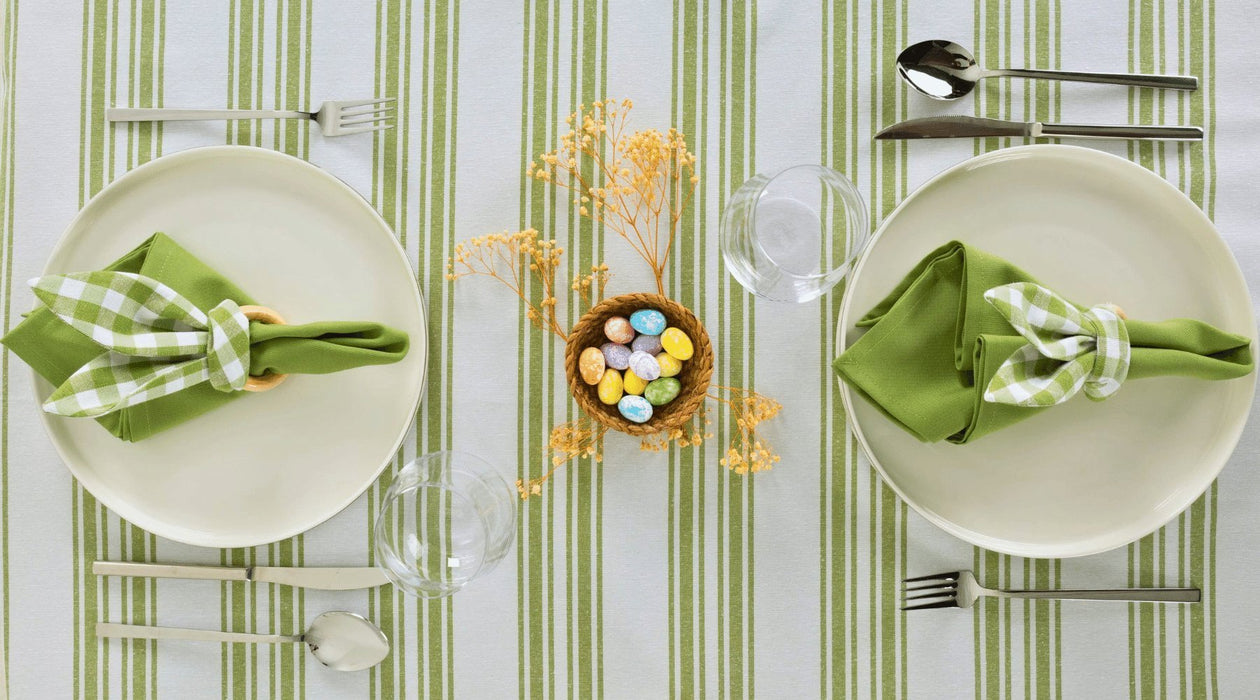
x=794, y=235
x=447, y=518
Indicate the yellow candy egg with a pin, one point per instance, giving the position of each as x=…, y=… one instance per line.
x=677, y=343
x=610, y=387
x=670, y=365
x=632, y=384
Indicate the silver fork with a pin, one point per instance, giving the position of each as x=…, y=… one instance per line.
x=959, y=589
x=335, y=118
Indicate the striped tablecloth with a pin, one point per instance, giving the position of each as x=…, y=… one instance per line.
x=650, y=575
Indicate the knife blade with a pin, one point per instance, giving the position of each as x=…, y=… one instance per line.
x=329, y=578
x=974, y=127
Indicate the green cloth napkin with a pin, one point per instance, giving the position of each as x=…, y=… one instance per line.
x=55, y=350
x=934, y=344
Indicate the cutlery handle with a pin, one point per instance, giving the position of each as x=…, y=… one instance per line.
x=1133, y=595
x=130, y=568
x=113, y=629
x=1120, y=131
x=1171, y=82
x=115, y=114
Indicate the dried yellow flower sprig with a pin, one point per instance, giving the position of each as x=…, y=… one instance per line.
x=594, y=281
x=579, y=438
x=502, y=256
x=748, y=409
x=693, y=433
x=643, y=181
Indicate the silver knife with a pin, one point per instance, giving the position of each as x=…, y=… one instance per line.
x=973, y=127
x=323, y=578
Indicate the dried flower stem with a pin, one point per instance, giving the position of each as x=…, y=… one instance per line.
x=504, y=257
x=579, y=438
x=646, y=176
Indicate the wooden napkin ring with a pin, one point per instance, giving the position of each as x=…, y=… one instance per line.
x=265, y=315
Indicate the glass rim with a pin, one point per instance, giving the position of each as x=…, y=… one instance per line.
x=854, y=206
x=391, y=496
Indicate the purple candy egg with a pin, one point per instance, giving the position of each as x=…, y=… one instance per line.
x=617, y=356
x=651, y=344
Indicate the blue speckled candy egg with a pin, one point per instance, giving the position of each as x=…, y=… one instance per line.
x=651, y=344
x=645, y=365
x=635, y=408
x=648, y=321
x=617, y=356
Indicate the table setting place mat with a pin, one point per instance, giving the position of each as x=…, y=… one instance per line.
x=175, y=385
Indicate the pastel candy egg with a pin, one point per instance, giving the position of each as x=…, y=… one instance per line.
x=610, y=387
x=644, y=365
x=635, y=408
x=619, y=330
x=632, y=384
x=591, y=365
x=648, y=321
x=677, y=344
x=670, y=365
x=661, y=391
x=651, y=344
x=616, y=355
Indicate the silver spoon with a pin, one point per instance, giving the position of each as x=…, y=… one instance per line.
x=340, y=640
x=944, y=70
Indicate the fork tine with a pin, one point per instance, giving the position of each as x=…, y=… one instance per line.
x=368, y=111
x=931, y=594
x=943, y=585
x=351, y=104
x=365, y=129
x=355, y=119
x=952, y=575
x=951, y=603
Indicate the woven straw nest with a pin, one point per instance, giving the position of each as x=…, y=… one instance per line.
x=695, y=376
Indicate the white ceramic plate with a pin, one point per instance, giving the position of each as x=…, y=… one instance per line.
x=1085, y=477
x=296, y=238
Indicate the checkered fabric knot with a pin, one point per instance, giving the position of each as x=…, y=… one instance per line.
x=1068, y=349
x=155, y=341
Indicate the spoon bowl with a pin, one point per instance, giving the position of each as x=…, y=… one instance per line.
x=940, y=69
x=344, y=641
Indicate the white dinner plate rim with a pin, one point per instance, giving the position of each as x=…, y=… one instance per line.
x=89, y=480
x=846, y=395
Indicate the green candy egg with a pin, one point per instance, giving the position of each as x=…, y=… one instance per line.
x=661, y=391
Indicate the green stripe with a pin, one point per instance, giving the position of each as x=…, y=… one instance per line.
x=888, y=186
x=90, y=675
x=8, y=189
x=598, y=485
x=833, y=614
x=588, y=60
x=851, y=448
x=435, y=631
x=735, y=501
x=686, y=617
x=535, y=588
x=448, y=435
x=390, y=188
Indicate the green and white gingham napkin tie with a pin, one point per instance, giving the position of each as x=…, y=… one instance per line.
x=156, y=342
x=1068, y=349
